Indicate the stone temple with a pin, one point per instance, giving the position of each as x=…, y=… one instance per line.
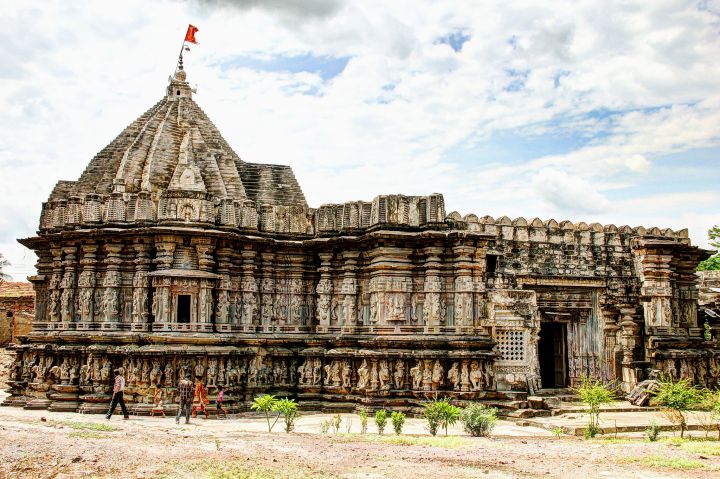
x=171, y=256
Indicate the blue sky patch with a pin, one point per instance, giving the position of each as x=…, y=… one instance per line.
x=325, y=66
x=456, y=40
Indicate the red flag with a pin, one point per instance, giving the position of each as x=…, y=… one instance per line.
x=190, y=35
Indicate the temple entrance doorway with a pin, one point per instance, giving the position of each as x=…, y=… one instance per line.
x=552, y=352
x=183, y=308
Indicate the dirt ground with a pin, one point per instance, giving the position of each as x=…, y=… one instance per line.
x=42, y=444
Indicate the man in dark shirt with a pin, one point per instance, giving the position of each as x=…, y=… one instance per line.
x=185, y=392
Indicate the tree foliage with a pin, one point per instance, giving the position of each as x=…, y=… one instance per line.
x=478, y=420
x=381, y=418
x=440, y=413
x=3, y=263
x=289, y=410
x=594, y=393
x=676, y=398
x=713, y=262
x=266, y=404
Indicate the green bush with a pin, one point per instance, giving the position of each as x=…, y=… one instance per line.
x=652, y=432
x=440, y=413
x=335, y=422
x=266, y=404
x=363, y=421
x=381, y=420
x=289, y=410
x=676, y=397
x=710, y=402
x=594, y=393
x=398, y=419
x=478, y=420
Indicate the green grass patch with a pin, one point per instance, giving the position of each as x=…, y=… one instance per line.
x=615, y=440
x=702, y=447
x=88, y=426
x=678, y=463
x=89, y=435
x=213, y=469
x=449, y=442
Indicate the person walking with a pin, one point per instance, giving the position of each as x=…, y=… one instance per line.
x=219, y=402
x=117, y=398
x=185, y=393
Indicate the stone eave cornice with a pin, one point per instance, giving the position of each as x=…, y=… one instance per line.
x=85, y=235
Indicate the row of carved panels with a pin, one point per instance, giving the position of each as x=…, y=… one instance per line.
x=262, y=369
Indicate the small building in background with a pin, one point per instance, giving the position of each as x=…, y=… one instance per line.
x=17, y=309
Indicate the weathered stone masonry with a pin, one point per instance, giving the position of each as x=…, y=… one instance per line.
x=172, y=256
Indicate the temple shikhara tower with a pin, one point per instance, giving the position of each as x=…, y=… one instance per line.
x=170, y=255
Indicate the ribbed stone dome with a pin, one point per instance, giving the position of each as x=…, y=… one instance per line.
x=174, y=146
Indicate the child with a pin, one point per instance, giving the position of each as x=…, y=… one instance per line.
x=219, y=401
x=157, y=401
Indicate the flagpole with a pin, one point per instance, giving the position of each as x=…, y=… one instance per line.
x=180, y=57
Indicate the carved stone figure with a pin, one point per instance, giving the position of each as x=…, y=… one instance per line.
x=363, y=376
x=399, y=374
x=454, y=376
x=345, y=373
x=476, y=376
x=212, y=372
x=384, y=375
x=169, y=374
x=156, y=373
x=437, y=375
x=416, y=373
x=316, y=371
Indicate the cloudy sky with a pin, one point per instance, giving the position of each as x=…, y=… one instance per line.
x=584, y=110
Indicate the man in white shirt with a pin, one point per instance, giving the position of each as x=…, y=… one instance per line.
x=117, y=397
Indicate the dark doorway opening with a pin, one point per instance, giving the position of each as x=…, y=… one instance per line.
x=552, y=351
x=183, y=308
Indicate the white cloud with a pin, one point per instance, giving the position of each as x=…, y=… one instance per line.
x=568, y=192
x=74, y=75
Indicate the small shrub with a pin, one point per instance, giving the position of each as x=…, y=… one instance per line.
x=348, y=425
x=557, y=431
x=335, y=423
x=652, y=432
x=676, y=398
x=594, y=393
x=381, y=420
x=710, y=404
x=591, y=431
x=478, y=420
x=440, y=413
x=363, y=421
x=325, y=426
x=398, y=419
x=266, y=404
x=289, y=410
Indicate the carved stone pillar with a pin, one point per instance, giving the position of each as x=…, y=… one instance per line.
x=464, y=314
x=249, y=306
x=324, y=289
x=205, y=306
x=141, y=285
x=610, y=329
x=204, y=250
x=628, y=342
x=86, y=287
x=54, y=287
x=349, y=291
x=67, y=297
x=434, y=303
x=222, y=306
x=267, y=290
x=165, y=249
x=111, y=288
